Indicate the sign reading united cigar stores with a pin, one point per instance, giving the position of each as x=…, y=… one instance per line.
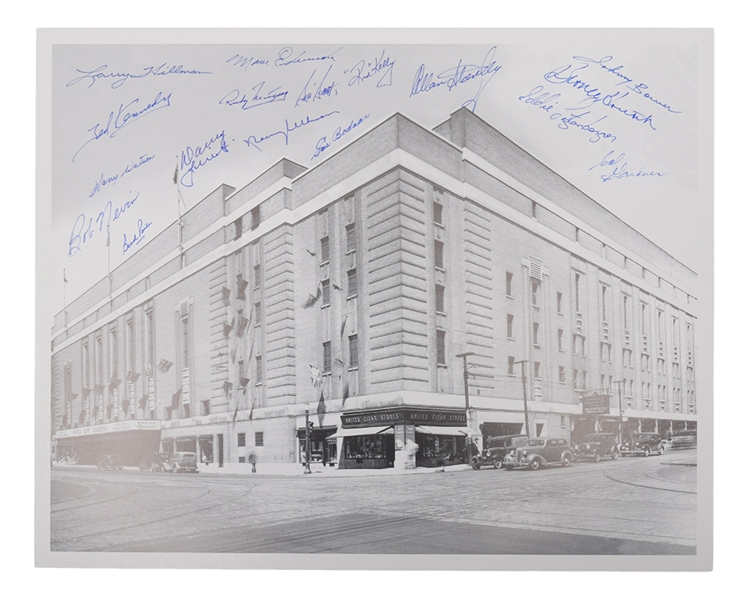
x=404, y=416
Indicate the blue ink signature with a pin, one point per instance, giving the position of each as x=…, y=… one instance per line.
x=124, y=117
x=244, y=62
x=120, y=78
x=323, y=144
x=258, y=98
x=193, y=159
x=365, y=69
x=80, y=236
x=636, y=88
x=137, y=237
x=562, y=76
x=321, y=92
x=454, y=76
x=620, y=171
x=102, y=182
x=254, y=142
x=286, y=57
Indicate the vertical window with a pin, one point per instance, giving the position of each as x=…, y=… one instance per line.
x=258, y=276
x=510, y=326
x=353, y=351
x=350, y=237
x=644, y=319
x=352, y=283
x=602, y=303
x=255, y=215
x=536, y=334
x=438, y=213
x=259, y=439
x=241, y=440
x=113, y=351
x=584, y=379
x=560, y=340
x=98, y=358
x=559, y=302
x=186, y=342
x=625, y=311
x=509, y=284
x=576, y=379
x=440, y=299
x=324, y=249
x=150, y=341
x=326, y=357
x=326, y=292
x=86, y=366
x=536, y=370
x=561, y=374
x=258, y=370
x=441, y=350
x=534, y=208
x=510, y=366
x=577, y=276
x=535, y=287
x=238, y=228
x=438, y=254
x=130, y=344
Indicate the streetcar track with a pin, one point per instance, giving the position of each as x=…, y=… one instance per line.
x=162, y=520
x=623, y=482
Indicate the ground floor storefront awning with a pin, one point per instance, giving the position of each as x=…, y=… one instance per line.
x=128, y=439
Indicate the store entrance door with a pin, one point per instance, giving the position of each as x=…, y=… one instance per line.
x=220, y=450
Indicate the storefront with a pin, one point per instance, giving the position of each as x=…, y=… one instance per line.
x=322, y=448
x=131, y=440
x=401, y=437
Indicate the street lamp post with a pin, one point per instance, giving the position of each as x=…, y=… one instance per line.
x=524, y=396
x=620, y=414
x=467, y=402
x=307, y=444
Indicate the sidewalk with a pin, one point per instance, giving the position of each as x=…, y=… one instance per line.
x=285, y=469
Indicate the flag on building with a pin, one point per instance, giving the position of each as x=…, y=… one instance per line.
x=316, y=376
x=321, y=409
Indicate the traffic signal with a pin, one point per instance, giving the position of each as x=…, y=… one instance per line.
x=309, y=428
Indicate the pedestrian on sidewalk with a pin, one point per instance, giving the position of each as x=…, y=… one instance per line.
x=252, y=459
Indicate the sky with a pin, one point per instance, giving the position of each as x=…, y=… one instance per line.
x=616, y=115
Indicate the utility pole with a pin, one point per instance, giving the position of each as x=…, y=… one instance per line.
x=307, y=444
x=467, y=402
x=620, y=413
x=524, y=396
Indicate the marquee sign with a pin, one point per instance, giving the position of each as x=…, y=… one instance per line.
x=110, y=427
x=597, y=403
x=424, y=416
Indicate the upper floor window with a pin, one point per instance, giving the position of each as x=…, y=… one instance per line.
x=509, y=284
x=441, y=349
x=438, y=254
x=326, y=358
x=324, y=249
x=353, y=351
x=326, y=292
x=350, y=237
x=535, y=289
x=352, y=283
x=438, y=213
x=440, y=299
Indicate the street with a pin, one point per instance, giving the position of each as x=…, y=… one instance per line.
x=629, y=506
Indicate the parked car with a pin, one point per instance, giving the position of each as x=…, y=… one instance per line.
x=183, y=461
x=597, y=445
x=155, y=462
x=110, y=462
x=539, y=452
x=684, y=440
x=643, y=444
x=498, y=447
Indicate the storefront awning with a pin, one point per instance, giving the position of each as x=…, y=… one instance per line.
x=359, y=432
x=449, y=431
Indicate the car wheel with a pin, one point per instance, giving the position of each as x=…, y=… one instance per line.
x=597, y=457
x=535, y=464
x=497, y=463
x=662, y=449
x=475, y=464
x=509, y=467
x=175, y=469
x=566, y=461
x=614, y=455
x=646, y=451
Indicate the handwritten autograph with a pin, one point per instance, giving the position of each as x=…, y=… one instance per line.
x=322, y=143
x=85, y=228
x=620, y=168
x=125, y=115
x=364, y=70
x=120, y=78
x=258, y=98
x=254, y=142
x=287, y=57
x=453, y=77
x=102, y=181
x=192, y=159
x=136, y=237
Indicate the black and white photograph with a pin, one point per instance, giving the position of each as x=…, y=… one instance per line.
x=366, y=298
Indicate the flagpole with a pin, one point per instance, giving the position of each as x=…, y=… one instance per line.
x=109, y=260
x=179, y=212
x=64, y=297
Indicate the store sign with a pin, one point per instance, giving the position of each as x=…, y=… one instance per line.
x=404, y=416
x=596, y=404
x=111, y=427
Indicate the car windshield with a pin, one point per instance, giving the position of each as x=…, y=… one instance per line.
x=536, y=442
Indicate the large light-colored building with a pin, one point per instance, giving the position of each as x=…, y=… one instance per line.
x=348, y=289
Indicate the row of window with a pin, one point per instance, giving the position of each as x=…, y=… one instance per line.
x=352, y=354
x=241, y=439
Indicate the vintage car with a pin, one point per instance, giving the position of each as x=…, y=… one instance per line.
x=643, y=444
x=155, y=462
x=182, y=461
x=498, y=447
x=539, y=452
x=597, y=445
x=684, y=440
x=110, y=462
